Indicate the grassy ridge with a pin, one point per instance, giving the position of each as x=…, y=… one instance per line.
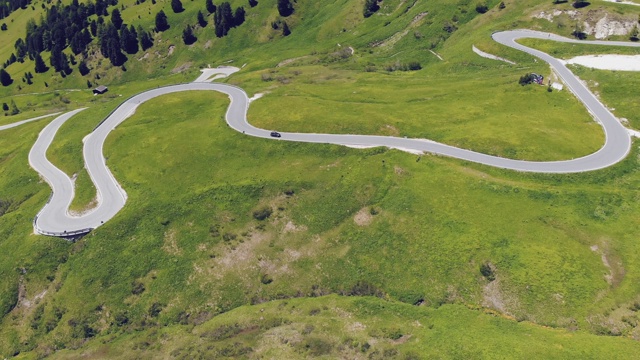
x=356, y=328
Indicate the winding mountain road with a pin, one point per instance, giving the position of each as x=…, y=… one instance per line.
x=18, y=123
x=54, y=219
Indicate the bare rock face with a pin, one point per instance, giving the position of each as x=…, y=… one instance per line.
x=607, y=26
x=598, y=23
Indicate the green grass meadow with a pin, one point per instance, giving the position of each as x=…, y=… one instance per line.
x=358, y=328
x=440, y=218
x=372, y=253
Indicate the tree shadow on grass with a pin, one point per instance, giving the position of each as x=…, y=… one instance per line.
x=580, y=4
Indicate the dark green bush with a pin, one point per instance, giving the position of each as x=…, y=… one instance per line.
x=262, y=213
x=487, y=271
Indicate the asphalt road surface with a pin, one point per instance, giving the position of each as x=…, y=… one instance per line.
x=55, y=220
x=18, y=123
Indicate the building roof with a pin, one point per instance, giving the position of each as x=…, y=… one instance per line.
x=100, y=88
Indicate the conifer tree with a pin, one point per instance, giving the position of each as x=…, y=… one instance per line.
x=146, y=41
x=370, y=7
x=161, y=21
x=28, y=76
x=223, y=20
x=59, y=60
x=129, y=39
x=285, y=7
x=14, y=108
x=187, y=35
x=238, y=16
x=176, y=6
x=83, y=68
x=211, y=8
x=116, y=56
x=201, y=19
x=116, y=18
x=40, y=65
x=5, y=78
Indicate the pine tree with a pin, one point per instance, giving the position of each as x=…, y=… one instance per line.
x=238, y=17
x=40, y=65
x=129, y=39
x=124, y=36
x=77, y=43
x=5, y=78
x=285, y=7
x=56, y=59
x=370, y=7
x=14, y=108
x=5, y=107
x=116, y=18
x=223, y=20
x=161, y=21
x=285, y=29
x=145, y=39
x=86, y=36
x=211, y=8
x=201, y=19
x=253, y=3
x=93, y=26
x=176, y=6
x=21, y=48
x=107, y=33
x=187, y=35
x=133, y=39
x=83, y=68
x=116, y=56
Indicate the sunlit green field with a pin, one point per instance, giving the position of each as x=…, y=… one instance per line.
x=349, y=216
x=358, y=328
x=489, y=113
x=416, y=256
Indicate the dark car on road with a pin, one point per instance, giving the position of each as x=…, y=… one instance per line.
x=275, y=134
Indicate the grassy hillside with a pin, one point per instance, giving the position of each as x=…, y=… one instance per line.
x=462, y=260
x=357, y=328
x=544, y=236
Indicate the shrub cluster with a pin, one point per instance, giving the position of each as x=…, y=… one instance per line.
x=370, y=8
x=525, y=79
x=398, y=66
x=487, y=271
x=262, y=213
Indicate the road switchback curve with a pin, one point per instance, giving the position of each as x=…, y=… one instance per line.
x=55, y=220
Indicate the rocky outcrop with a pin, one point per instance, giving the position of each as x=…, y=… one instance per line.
x=608, y=26
x=596, y=23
